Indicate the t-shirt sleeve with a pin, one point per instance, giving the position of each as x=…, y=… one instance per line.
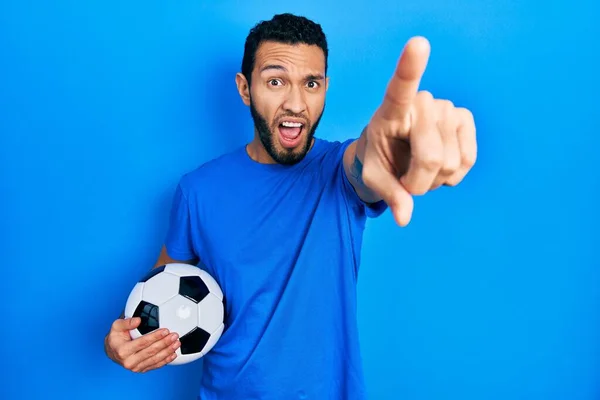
x=372, y=210
x=178, y=240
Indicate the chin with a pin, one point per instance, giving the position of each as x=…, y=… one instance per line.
x=290, y=156
x=288, y=148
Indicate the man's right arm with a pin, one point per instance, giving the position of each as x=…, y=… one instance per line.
x=164, y=258
x=155, y=349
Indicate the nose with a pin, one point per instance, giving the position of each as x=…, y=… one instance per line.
x=295, y=102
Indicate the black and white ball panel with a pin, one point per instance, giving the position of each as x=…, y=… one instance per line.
x=179, y=314
x=212, y=284
x=193, y=288
x=214, y=337
x=210, y=313
x=184, y=299
x=148, y=312
x=189, y=270
x=160, y=288
x=153, y=272
x=193, y=342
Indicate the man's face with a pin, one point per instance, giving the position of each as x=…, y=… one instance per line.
x=287, y=98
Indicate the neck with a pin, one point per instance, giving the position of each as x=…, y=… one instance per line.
x=257, y=152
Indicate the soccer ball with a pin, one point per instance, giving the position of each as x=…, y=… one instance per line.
x=184, y=299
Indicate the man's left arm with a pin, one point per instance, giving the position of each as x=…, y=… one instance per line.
x=353, y=166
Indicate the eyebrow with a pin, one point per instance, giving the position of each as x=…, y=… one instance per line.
x=273, y=66
x=310, y=77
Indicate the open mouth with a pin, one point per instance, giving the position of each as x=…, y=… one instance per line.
x=290, y=133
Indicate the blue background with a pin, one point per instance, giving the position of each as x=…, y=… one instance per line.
x=492, y=292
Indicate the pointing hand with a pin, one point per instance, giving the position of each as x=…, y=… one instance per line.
x=416, y=143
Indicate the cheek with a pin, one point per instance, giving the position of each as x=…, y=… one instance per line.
x=267, y=105
x=316, y=108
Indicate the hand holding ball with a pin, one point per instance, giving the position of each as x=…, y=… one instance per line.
x=183, y=299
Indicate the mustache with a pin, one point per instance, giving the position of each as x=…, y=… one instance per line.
x=294, y=116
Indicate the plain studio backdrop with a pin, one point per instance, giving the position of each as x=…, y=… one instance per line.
x=491, y=293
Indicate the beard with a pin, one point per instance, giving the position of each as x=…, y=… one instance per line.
x=267, y=136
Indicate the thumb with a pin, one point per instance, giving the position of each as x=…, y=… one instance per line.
x=125, y=324
x=134, y=322
x=392, y=192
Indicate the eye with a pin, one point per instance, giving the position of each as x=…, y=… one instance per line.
x=275, y=82
x=313, y=84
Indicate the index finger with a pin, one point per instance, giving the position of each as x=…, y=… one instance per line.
x=404, y=85
x=144, y=341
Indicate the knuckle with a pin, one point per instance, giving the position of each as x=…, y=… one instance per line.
x=120, y=352
x=425, y=95
x=430, y=160
x=154, y=358
x=465, y=113
x=110, y=343
x=468, y=159
x=446, y=106
x=452, y=181
x=416, y=190
x=128, y=364
x=153, y=351
x=164, y=358
x=169, y=339
x=147, y=341
x=451, y=165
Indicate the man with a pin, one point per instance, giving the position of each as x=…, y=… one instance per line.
x=279, y=222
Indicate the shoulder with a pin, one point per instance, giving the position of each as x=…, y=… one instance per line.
x=211, y=173
x=331, y=148
x=333, y=145
x=331, y=152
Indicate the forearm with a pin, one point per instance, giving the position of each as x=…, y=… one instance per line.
x=353, y=163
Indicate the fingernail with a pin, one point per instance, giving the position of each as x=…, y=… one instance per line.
x=174, y=337
x=165, y=332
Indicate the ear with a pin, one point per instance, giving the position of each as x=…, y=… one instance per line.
x=243, y=88
x=326, y=83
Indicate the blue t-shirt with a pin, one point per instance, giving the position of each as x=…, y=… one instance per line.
x=284, y=244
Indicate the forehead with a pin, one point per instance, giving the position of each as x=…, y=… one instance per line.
x=297, y=57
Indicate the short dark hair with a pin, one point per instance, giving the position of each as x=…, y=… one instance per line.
x=282, y=28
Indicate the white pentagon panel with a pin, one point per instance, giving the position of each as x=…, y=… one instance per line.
x=214, y=338
x=181, y=269
x=135, y=296
x=160, y=288
x=210, y=313
x=178, y=314
x=211, y=283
